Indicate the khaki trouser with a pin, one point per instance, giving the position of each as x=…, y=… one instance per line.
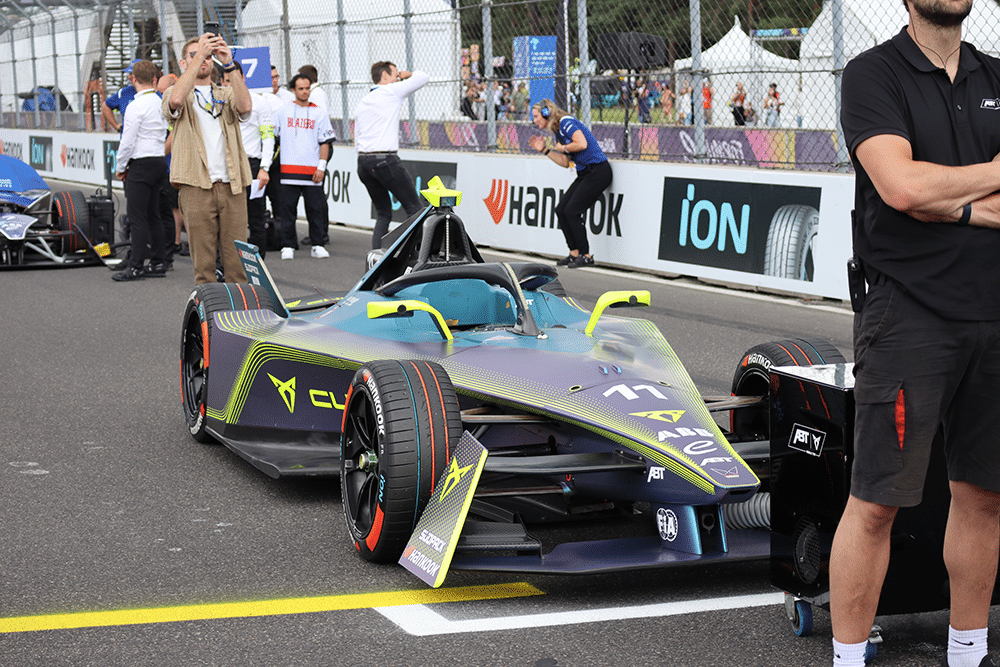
x=214, y=218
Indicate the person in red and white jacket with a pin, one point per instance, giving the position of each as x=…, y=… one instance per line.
x=306, y=144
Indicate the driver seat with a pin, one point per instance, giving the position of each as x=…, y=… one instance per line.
x=443, y=242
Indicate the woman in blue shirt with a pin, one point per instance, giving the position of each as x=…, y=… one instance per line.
x=573, y=144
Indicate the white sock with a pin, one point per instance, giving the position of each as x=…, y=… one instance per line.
x=850, y=655
x=966, y=648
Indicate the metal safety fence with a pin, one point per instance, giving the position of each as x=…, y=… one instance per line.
x=755, y=82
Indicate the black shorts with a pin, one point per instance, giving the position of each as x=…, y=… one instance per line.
x=915, y=373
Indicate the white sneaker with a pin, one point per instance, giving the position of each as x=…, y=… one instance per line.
x=288, y=253
x=319, y=252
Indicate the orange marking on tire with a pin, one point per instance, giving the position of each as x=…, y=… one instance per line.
x=447, y=445
x=372, y=540
x=430, y=415
x=204, y=337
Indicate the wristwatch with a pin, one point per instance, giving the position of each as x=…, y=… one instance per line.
x=230, y=67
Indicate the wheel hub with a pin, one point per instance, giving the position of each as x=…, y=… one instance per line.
x=368, y=462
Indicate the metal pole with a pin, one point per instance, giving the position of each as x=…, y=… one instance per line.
x=200, y=9
x=491, y=113
x=164, y=56
x=560, y=63
x=10, y=29
x=79, y=66
x=131, y=33
x=408, y=28
x=699, y=118
x=55, y=64
x=345, y=121
x=286, y=29
x=34, y=65
x=585, y=74
x=838, y=75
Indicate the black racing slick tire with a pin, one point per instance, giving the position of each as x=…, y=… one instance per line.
x=401, y=422
x=196, y=336
x=752, y=378
x=72, y=215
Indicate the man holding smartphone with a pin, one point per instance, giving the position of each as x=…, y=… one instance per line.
x=209, y=165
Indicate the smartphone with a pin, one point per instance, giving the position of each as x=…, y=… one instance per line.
x=213, y=28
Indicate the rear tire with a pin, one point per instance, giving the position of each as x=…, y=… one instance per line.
x=196, y=336
x=72, y=215
x=401, y=421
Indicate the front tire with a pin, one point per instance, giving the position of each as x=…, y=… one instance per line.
x=752, y=378
x=73, y=215
x=400, y=423
x=196, y=335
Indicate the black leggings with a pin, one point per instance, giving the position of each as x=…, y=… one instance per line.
x=590, y=182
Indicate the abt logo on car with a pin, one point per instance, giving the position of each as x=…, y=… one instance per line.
x=531, y=206
x=808, y=440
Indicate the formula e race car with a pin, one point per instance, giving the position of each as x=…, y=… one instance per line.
x=474, y=410
x=40, y=228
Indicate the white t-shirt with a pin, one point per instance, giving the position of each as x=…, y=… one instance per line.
x=211, y=133
x=376, y=118
x=302, y=130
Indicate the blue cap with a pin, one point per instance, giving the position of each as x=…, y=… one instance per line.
x=128, y=70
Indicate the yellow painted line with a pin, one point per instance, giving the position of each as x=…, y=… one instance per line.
x=201, y=612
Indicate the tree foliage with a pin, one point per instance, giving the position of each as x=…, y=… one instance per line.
x=669, y=19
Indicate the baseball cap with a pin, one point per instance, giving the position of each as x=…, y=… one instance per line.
x=128, y=70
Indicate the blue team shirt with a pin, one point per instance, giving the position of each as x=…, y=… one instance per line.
x=592, y=154
x=121, y=99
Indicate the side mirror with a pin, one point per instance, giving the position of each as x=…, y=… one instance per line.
x=377, y=309
x=623, y=299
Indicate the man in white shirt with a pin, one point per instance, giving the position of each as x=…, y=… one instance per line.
x=143, y=166
x=306, y=144
x=376, y=137
x=258, y=141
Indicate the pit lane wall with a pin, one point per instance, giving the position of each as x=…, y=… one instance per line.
x=778, y=230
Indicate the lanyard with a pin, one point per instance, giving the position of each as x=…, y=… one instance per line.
x=209, y=106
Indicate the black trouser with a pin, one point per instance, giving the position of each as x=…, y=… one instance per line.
x=383, y=173
x=143, y=182
x=316, y=214
x=255, y=213
x=590, y=182
x=168, y=202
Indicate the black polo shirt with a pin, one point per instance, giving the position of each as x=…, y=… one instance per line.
x=894, y=89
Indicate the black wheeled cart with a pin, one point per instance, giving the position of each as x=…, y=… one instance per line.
x=812, y=449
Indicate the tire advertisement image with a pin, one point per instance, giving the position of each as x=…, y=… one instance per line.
x=759, y=228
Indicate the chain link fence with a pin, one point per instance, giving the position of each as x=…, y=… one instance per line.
x=753, y=82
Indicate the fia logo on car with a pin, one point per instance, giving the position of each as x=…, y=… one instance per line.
x=808, y=440
x=667, y=523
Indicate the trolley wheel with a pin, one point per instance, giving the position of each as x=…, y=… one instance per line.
x=802, y=619
x=870, y=652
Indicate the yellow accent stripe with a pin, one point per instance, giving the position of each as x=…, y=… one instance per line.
x=203, y=612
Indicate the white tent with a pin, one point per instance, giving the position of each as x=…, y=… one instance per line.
x=370, y=35
x=867, y=23
x=735, y=58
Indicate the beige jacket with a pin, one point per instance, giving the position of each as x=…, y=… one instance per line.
x=188, y=162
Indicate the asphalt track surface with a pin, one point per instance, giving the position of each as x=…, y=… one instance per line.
x=127, y=543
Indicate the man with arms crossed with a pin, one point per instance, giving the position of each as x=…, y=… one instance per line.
x=208, y=163
x=927, y=339
x=376, y=137
x=306, y=144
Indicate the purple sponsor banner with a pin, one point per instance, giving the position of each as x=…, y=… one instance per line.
x=804, y=150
